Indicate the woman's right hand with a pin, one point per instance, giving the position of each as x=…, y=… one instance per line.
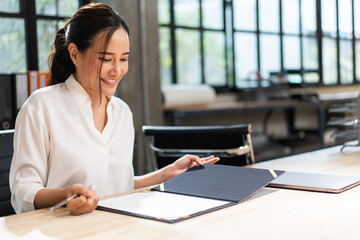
x=86, y=202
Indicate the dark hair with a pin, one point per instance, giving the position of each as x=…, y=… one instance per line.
x=81, y=29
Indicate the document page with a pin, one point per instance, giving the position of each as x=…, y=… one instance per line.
x=161, y=205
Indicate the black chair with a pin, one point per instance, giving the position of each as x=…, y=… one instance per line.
x=6, y=152
x=232, y=143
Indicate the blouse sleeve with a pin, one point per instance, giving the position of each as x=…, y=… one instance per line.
x=28, y=171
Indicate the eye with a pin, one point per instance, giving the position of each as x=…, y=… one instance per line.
x=124, y=59
x=105, y=59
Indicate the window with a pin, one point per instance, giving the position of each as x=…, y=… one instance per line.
x=357, y=38
x=242, y=44
x=28, y=30
x=50, y=17
x=12, y=37
x=192, y=42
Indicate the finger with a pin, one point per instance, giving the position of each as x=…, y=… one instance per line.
x=83, y=205
x=192, y=159
x=81, y=190
x=212, y=161
x=204, y=159
x=87, y=207
x=74, y=189
x=96, y=201
x=76, y=203
x=197, y=160
x=83, y=208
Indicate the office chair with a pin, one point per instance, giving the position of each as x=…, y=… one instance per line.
x=232, y=143
x=6, y=152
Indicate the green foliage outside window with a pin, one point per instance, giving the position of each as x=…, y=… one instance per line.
x=261, y=38
x=50, y=15
x=12, y=45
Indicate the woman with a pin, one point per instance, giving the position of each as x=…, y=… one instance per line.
x=76, y=133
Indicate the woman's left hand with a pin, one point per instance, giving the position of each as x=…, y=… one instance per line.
x=189, y=161
x=172, y=170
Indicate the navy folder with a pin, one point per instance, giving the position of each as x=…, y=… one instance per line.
x=222, y=182
x=228, y=184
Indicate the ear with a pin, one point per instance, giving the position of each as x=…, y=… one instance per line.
x=74, y=52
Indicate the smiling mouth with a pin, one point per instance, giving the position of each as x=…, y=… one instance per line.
x=108, y=80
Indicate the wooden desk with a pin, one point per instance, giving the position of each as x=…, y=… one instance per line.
x=269, y=214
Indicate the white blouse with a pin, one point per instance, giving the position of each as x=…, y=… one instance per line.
x=56, y=144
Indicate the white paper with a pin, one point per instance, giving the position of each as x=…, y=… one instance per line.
x=35, y=234
x=161, y=205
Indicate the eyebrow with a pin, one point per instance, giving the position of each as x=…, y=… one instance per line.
x=110, y=53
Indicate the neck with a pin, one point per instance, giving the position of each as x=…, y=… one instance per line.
x=96, y=103
x=99, y=113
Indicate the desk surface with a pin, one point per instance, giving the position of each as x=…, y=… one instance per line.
x=269, y=214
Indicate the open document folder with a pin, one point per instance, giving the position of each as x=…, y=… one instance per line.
x=199, y=190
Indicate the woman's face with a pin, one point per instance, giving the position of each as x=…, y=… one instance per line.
x=114, y=65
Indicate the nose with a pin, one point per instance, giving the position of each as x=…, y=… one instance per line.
x=116, y=68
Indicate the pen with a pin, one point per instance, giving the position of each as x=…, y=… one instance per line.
x=62, y=203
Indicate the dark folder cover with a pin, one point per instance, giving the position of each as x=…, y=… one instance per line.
x=220, y=182
x=228, y=184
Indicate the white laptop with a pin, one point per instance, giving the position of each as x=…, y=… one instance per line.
x=315, y=182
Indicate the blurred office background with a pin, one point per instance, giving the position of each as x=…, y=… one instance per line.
x=285, y=61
